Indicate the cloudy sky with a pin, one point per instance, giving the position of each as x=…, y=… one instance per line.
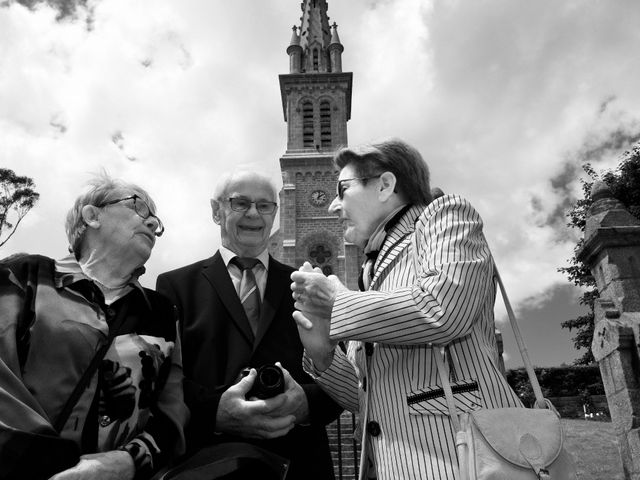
x=505, y=99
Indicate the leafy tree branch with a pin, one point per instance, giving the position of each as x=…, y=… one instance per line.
x=17, y=197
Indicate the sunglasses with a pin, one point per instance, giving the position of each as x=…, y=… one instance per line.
x=342, y=187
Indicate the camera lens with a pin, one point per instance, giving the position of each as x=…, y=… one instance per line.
x=270, y=376
x=269, y=382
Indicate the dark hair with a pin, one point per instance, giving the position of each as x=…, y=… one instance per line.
x=395, y=156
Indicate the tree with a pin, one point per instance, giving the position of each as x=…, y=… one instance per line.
x=17, y=197
x=624, y=183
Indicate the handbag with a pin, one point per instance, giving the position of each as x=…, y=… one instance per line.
x=508, y=443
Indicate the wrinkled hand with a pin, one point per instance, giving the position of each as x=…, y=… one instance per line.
x=315, y=295
x=113, y=465
x=314, y=334
x=313, y=292
x=252, y=418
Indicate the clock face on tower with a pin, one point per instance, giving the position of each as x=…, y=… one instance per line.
x=318, y=198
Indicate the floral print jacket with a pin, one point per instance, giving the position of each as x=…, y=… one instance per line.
x=52, y=321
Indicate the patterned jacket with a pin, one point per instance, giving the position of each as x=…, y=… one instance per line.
x=52, y=321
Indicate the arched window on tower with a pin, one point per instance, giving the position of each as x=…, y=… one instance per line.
x=325, y=124
x=307, y=124
x=315, y=59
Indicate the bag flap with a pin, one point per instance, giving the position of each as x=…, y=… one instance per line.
x=506, y=429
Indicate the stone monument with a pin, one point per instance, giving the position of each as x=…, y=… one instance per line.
x=612, y=251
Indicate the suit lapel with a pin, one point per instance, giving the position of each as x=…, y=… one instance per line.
x=217, y=275
x=277, y=285
x=396, y=241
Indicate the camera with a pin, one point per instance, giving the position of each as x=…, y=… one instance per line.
x=269, y=382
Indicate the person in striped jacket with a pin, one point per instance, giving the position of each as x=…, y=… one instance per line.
x=427, y=281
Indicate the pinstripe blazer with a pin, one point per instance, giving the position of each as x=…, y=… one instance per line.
x=432, y=284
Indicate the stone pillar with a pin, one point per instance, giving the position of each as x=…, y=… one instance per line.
x=612, y=251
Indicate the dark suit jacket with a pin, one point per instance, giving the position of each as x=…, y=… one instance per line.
x=217, y=343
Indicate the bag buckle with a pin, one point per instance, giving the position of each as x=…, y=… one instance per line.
x=531, y=450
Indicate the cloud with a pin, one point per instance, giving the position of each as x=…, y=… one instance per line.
x=517, y=92
x=505, y=100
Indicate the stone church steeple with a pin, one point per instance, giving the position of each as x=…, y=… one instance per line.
x=316, y=94
x=316, y=104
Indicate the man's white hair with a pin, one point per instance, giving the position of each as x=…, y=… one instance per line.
x=221, y=191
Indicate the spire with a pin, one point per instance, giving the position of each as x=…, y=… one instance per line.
x=315, y=36
x=335, y=50
x=335, y=39
x=315, y=24
x=295, y=39
x=295, y=52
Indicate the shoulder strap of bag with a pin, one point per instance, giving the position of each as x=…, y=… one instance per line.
x=364, y=441
x=540, y=400
x=91, y=369
x=444, y=373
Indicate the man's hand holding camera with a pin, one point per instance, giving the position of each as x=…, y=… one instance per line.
x=261, y=417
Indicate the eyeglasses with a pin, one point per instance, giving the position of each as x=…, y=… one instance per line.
x=242, y=204
x=342, y=187
x=141, y=208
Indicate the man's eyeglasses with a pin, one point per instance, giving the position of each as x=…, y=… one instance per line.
x=242, y=204
x=141, y=208
x=342, y=187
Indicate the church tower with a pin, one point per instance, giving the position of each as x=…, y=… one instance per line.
x=316, y=102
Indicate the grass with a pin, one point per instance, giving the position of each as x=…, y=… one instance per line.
x=594, y=447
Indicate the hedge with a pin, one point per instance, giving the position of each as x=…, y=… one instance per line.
x=565, y=381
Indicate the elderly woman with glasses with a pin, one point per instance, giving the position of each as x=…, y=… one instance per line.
x=90, y=366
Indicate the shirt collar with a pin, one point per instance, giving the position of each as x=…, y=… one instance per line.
x=227, y=255
x=68, y=272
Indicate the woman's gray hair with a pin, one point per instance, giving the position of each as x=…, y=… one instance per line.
x=103, y=188
x=395, y=156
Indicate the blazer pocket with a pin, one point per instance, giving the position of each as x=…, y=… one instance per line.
x=431, y=400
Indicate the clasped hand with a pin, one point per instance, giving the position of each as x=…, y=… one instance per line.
x=256, y=418
x=314, y=296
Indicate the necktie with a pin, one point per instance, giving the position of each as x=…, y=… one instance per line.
x=249, y=293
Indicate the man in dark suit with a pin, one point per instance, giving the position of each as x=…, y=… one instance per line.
x=223, y=332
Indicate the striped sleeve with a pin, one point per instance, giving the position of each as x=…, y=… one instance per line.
x=447, y=280
x=339, y=381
